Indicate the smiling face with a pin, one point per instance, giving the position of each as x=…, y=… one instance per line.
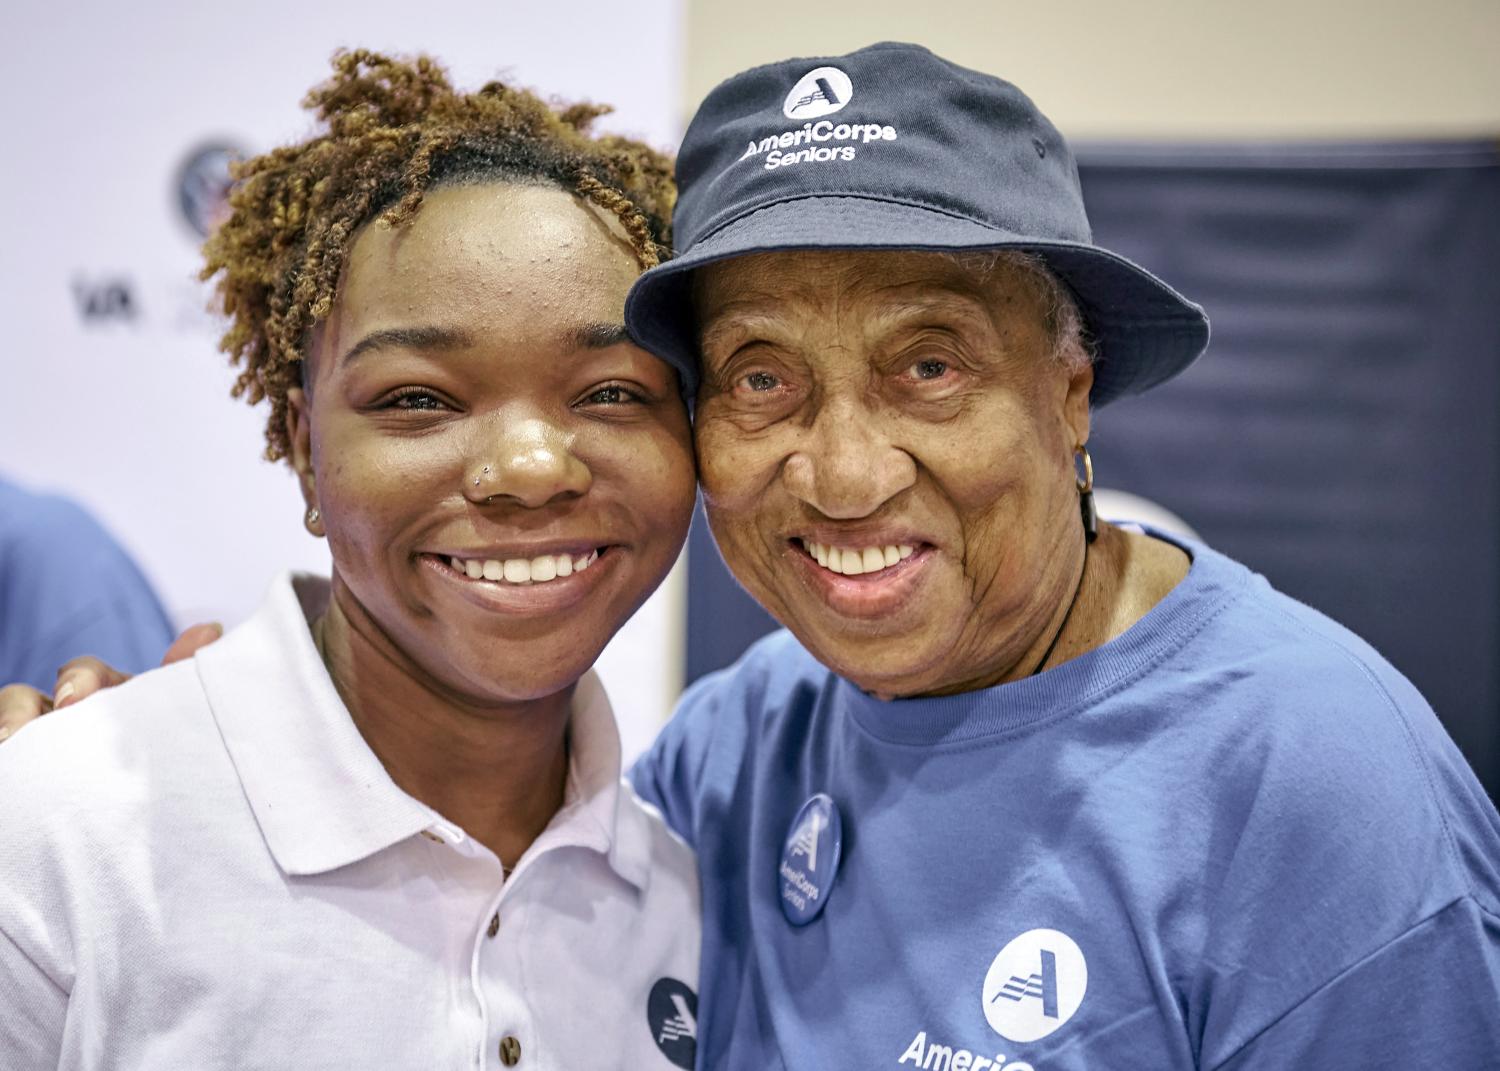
x=502, y=476
x=885, y=445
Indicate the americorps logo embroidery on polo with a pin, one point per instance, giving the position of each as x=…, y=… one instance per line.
x=1035, y=985
x=822, y=91
x=672, y=1015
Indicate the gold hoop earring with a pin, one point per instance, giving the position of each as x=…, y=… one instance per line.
x=1086, y=493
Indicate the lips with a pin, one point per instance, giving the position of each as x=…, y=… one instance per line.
x=853, y=561
x=539, y=570
x=867, y=582
x=516, y=585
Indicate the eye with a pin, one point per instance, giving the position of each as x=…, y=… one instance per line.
x=761, y=381
x=416, y=399
x=929, y=368
x=612, y=394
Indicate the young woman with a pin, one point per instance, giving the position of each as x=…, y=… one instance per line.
x=381, y=824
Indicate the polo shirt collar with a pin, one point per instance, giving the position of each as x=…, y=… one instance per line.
x=598, y=812
x=319, y=794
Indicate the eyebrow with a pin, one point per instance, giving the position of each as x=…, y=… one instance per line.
x=598, y=336
x=593, y=336
x=408, y=338
x=897, y=311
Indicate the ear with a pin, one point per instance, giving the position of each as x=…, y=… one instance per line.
x=299, y=439
x=1076, y=405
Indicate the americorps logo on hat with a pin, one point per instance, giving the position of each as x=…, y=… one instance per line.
x=822, y=91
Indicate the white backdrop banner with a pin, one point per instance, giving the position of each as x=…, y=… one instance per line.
x=117, y=121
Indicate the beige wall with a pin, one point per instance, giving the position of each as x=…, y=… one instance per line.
x=1162, y=68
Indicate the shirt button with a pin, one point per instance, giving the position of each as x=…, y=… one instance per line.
x=494, y=926
x=510, y=1051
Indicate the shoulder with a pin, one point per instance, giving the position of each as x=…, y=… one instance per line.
x=718, y=723
x=774, y=678
x=1302, y=672
x=80, y=766
x=774, y=672
x=1342, y=812
x=672, y=866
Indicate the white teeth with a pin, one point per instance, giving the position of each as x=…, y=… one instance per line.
x=850, y=562
x=523, y=570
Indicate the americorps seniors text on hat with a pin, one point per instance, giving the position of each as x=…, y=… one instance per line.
x=1017, y=789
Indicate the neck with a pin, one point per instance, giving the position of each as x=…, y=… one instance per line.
x=1121, y=577
x=1092, y=594
x=498, y=770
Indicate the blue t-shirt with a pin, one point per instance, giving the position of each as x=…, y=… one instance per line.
x=68, y=589
x=1232, y=838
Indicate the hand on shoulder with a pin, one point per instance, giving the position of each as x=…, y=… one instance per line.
x=21, y=704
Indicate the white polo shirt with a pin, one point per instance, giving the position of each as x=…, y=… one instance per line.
x=209, y=868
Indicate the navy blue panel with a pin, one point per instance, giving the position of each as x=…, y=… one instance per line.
x=721, y=619
x=1340, y=435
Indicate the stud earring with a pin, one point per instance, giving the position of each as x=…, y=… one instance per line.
x=312, y=520
x=1086, y=494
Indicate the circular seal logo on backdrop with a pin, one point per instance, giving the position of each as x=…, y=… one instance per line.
x=672, y=1014
x=203, y=184
x=820, y=92
x=1035, y=985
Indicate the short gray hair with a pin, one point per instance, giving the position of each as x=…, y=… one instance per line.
x=1072, y=346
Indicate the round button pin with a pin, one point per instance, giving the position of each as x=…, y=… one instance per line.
x=810, y=859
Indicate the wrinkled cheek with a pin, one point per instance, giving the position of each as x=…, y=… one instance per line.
x=733, y=472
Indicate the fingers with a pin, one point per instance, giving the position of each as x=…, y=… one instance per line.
x=193, y=639
x=82, y=677
x=20, y=704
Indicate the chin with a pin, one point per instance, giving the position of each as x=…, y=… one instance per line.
x=515, y=673
x=890, y=666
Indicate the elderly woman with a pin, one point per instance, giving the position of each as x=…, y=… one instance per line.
x=1021, y=791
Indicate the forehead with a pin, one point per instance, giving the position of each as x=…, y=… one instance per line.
x=493, y=252
x=892, y=282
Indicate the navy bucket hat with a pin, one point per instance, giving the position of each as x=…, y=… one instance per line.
x=892, y=147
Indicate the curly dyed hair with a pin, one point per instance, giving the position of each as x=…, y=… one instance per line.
x=393, y=130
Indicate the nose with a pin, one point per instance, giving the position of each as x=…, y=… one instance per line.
x=847, y=467
x=528, y=462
